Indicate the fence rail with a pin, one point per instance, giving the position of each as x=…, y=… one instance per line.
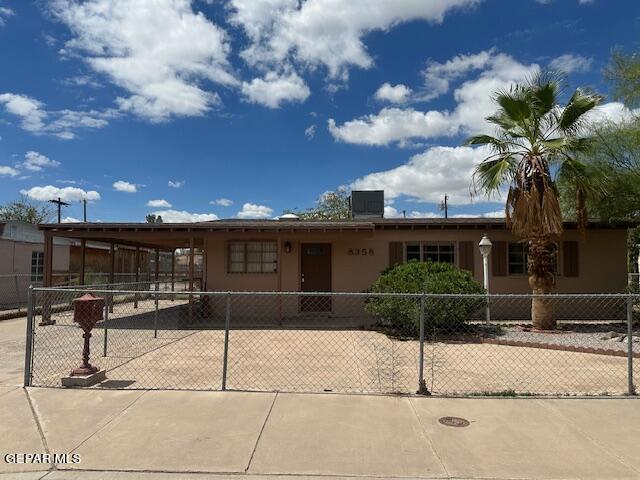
x=13, y=287
x=342, y=342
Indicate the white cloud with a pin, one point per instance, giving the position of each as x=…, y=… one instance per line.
x=310, y=131
x=36, y=119
x=428, y=176
x=437, y=76
x=251, y=210
x=326, y=33
x=71, y=220
x=393, y=124
x=36, y=162
x=158, y=204
x=66, y=194
x=223, y=202
x=123, y=186
x=570, y=63
x=392, y=93
x=5, y=13
x=182, y=216
x=176, y=183
x=28, y=109
x=275, y=89
x=159, y=51
x=474, y=103
x=614, y=112
x=8, y=171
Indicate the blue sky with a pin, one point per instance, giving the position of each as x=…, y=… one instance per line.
x=245, y=108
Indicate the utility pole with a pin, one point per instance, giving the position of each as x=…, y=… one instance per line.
x=444, y=206
x=84, y=205
x=59, y=203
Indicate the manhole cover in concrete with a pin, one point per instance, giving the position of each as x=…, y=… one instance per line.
x=454, y=421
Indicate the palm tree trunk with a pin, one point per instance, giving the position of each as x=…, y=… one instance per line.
x=542, y=281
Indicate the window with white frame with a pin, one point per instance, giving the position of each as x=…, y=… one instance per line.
x=430, y=251
x=37, y=266
x=253, y=257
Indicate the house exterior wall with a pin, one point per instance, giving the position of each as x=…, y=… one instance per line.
x=602, y=260
x=15, y=257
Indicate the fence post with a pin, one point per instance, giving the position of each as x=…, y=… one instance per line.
x=104, y=326
x=631, y=389
x=227, y=321
x=422, y=385
x=28, y=352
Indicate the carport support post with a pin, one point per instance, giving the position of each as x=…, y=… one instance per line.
x=47, y=279
x=227, y=322
x=632, y=388
x=422, y=385
x=156, y=275
x=83, y=255
x=191, y=268
x=173, y=274
x=112, y=267
x=29, y=341
x=107, y=306
x=135, y=295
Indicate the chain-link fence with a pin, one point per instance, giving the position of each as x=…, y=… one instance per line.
x=14, y=287
x=343, y=342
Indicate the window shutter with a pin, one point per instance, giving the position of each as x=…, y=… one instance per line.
x=499, y=259
x=465, y=251
x=570, y=258
x=396, y=253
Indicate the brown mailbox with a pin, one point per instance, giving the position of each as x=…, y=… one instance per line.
x=87, y=311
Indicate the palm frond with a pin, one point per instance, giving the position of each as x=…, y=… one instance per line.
x=493, y=173
x=569, y=121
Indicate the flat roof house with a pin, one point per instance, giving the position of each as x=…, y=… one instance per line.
x=347, y=256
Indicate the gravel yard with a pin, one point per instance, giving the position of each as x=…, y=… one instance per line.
x=598, y=336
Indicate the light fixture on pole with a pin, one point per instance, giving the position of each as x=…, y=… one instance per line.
x=485, y=249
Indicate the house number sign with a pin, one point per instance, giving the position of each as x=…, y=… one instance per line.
x=361, y=251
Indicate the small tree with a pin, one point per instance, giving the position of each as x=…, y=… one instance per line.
x=25, y=210
x=331, y=206
x=151, y=218
x=624, y=72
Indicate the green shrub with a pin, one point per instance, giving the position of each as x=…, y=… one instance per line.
x=443, y=314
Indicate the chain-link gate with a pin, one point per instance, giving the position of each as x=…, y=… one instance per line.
x=342, y=342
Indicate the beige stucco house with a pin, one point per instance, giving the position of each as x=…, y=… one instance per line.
x=347, y=256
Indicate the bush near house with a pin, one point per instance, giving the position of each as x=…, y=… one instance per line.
x=402, y=315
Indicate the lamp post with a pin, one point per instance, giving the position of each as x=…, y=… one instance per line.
x=485, y=249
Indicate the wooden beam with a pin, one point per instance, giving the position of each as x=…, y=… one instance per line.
x=157, y=272
x=173, y=272
x=83, y=257
x=48, y=260
x=191, y=264
x=112, y=268
x=137, y=266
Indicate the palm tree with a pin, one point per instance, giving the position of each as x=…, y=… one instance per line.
x=536, y=144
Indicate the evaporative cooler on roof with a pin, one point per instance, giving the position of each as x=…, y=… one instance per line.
x=367, y=204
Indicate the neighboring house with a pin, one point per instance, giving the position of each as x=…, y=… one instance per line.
x=347, y=256
x=22, y=250
x=22, y=256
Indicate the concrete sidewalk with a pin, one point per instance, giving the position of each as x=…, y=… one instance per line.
x=182, y=434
